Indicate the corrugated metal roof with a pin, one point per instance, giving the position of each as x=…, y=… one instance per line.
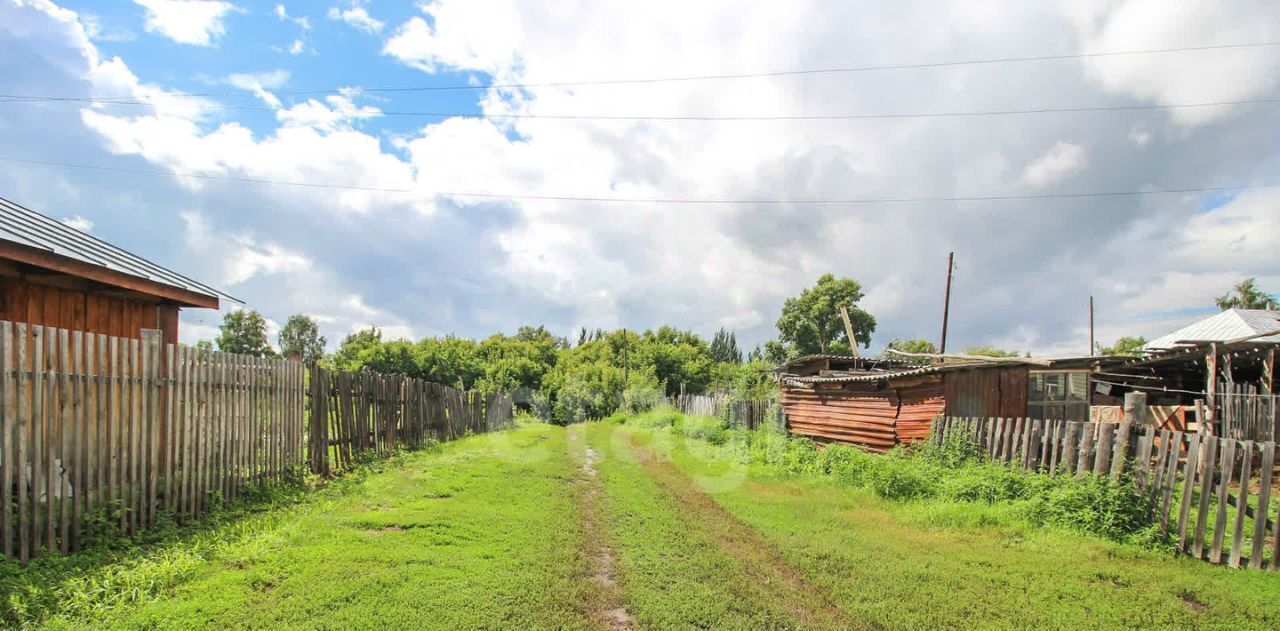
x=873, y=377
x=1227, y=325
x=24, y=226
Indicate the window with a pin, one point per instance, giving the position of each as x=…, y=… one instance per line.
x=1058, y=395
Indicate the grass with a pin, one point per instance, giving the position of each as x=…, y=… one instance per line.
x=481, y=533
x=660, y=520
x=944, y=563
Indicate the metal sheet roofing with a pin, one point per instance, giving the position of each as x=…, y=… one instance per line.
x=24, y=226
x=873, y=377
x=1227, y=325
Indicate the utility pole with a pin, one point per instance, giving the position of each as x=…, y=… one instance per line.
x=626, y=364
x=848, y=331
x=1092, y=346
x=946, y=303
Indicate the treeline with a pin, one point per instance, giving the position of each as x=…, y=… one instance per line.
x=564, y=380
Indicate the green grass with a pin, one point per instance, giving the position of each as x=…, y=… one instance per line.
x=481, y=533
x=684, y=563
x=949, y=564
x=664, y=518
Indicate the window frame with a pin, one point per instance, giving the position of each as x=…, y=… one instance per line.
x=1064, y=407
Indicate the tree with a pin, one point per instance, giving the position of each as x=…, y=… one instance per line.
x=1246, y=295
x=204, y=346
x=724, y=347
x=353, y=345
x=919, y=345
x=990, y=351
x=1124, y=346
x=811, y=323
x=301, y=336
x=244, y=332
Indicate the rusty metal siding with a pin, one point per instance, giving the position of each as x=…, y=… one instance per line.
x=995, y=392
x=863, y=415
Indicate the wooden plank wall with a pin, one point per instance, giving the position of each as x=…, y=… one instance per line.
x=357, y=415
x=132, y=429
x=1212, y=495
x=79, y=310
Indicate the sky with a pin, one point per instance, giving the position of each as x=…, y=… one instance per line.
x=403, y=102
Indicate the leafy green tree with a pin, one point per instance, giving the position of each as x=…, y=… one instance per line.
x=1124, y=346
x=724, y=347
x=811, y=323
x=204, y=346
x=301, y=335
x=777, y=353
x=990, y=351
x=1246, y=295
x=348, y=356
x=450, y=360
x=244, y=332
x=918, y=345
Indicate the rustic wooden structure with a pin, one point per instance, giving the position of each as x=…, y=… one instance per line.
x=1213, y=495
x=878, y=405
x=134, y=430
x=54, y=275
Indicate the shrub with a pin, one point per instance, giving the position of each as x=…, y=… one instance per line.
x=1094, y=504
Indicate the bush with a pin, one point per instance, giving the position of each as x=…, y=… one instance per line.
x=1094, y=504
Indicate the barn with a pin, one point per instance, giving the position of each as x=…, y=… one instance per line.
x=879, y=404
x=54, y=275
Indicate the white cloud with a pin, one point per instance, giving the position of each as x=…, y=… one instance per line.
x=473, y=265
x=356, y=17
x=302, y=21
x=1200, y=76
x=78, y=222
x=259, y=83
x=194, y=22
x=1056, y=164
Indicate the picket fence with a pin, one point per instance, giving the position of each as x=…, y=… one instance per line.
x=139, y=431
x=367, y=412
x=748, y=414
x=1212, y=495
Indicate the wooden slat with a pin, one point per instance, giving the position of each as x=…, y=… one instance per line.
x=1169, y=479
x=1264, y=499
x=1188, y=488
x=1224, y=489
x=8, y=435
x=1212, y=447
x=1242, y=503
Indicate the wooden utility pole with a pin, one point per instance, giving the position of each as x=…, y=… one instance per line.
x=1092, y=346
x=946, y=303
x=848, y=330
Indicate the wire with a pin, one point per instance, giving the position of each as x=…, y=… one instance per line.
x=745, y=118
x=1164, y=389
x=649, y=200
x=764, y=74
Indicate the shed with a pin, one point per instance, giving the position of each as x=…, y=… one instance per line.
x=878, y=405
x=54, y=275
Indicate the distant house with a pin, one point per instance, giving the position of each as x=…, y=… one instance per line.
x=54, y=275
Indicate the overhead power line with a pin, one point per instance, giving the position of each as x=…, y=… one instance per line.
x=729, y=117
x=749, y=75
x=655, y=200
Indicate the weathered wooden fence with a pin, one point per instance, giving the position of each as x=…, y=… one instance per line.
x=365, y=412
x=138, y=428
x=1247, y=414
x=749, y=414
x=144, y=430
x=1213, y=495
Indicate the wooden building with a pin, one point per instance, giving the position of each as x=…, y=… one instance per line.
x=877, y=404
x=54, y=275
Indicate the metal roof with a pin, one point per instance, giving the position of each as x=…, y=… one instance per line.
x=1228, y=325
x=24, y=226
x=872, y=377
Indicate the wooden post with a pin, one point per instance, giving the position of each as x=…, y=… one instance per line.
x=848, y=331
x=946, y=304
x=1211, y=384
x=1135, y=408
